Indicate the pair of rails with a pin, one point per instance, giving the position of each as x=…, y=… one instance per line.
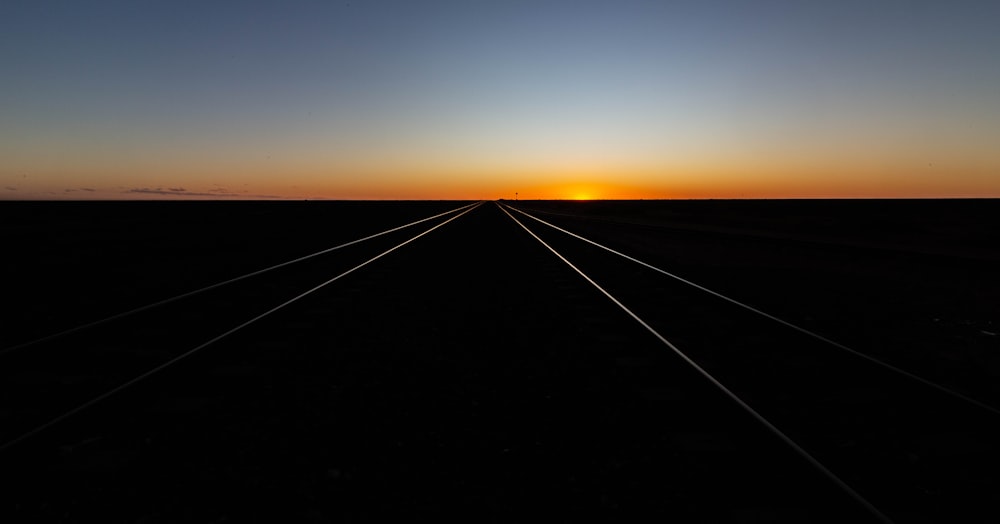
x=522, y=219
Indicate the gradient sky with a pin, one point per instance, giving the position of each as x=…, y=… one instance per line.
x=473, y=99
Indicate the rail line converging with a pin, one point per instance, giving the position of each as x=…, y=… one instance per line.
x=774, y=430
x=826, y=340
x=163, y=302
x=5, y=446
x=788, y=437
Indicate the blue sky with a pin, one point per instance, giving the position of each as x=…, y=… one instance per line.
x=467, y=99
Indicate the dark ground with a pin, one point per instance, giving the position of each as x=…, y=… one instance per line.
x=472, y=374
x=912, y=281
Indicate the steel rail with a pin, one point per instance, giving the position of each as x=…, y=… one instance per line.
x=825, y=471
x=188, y=294
x=117, y=389
x=885, y=365
x=752, y=234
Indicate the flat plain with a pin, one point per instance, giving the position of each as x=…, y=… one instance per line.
x=473, y=373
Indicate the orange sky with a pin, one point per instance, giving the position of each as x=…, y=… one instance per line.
x=479, y=101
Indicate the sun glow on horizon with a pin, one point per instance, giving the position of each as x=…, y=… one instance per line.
x=477, y=100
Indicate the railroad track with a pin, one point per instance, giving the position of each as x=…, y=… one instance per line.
x=900, y=439
x=50, y=379
x=473, y=371
x=932, y=315
x=759, y=234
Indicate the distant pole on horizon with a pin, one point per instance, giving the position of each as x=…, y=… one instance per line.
x=515, y=196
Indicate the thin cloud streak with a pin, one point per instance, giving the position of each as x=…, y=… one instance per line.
x=214, y=193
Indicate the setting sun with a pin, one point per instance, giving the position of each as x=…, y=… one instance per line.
x=471, y=100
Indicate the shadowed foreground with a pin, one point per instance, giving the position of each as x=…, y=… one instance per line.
x=468, y=374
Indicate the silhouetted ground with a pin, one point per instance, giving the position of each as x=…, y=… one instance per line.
x=912, y=281
x=474, y=375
